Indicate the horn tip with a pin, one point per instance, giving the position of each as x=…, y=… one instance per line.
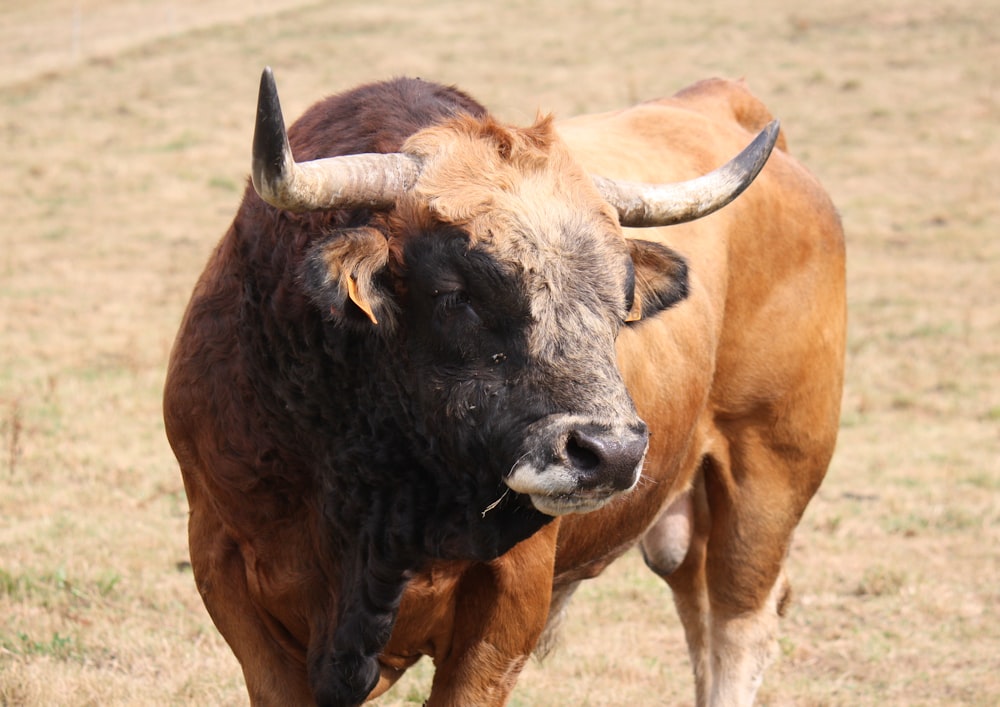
x=270, y=141
x=758, y=151
x=770, y=132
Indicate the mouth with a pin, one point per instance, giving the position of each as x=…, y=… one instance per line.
x=577, y=465
x=556, y=493
x=578, y=502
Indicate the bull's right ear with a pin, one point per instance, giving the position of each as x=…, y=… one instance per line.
x=343, y=277
x=661, y=278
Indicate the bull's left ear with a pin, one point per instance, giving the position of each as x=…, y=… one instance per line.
x=661, y=278
x=343, y=277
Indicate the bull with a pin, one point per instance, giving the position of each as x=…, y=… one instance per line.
x=431, y=379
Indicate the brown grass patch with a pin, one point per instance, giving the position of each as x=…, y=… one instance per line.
x=126, y=150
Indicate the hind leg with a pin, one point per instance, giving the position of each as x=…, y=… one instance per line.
x=674, y=548
x=730, y=587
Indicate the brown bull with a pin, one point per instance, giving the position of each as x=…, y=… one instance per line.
x=432, y=388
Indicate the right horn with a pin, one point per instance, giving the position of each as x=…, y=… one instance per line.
x=647, y=205
x=372, y=181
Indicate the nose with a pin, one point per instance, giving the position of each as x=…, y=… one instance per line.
x=602, y=458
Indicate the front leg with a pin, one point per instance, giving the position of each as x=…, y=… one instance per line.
x=501, y=608
x=343, y=663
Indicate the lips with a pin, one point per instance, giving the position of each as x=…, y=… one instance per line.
x=578, y=502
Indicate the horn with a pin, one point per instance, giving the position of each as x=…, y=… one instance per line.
x=372, y=181
x=646, y=205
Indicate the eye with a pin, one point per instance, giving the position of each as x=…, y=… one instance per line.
x=452, y=301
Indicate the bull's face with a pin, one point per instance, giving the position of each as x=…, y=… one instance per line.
x=515, y=369
x=500, y=268
x=518, y=282
x=516, y=361
x=508, y=282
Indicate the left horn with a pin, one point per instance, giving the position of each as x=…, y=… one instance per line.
x=647, y=205
x=373, y=181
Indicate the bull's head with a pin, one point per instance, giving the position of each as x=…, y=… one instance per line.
x=504, y=268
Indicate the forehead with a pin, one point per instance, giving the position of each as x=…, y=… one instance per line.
x=518, y=193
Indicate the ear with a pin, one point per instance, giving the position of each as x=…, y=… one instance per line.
x=342, y=276
x=661, y=279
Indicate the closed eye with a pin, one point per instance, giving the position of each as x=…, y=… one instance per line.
x=452, y=300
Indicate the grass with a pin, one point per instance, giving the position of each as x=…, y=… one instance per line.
x=124, y=166
x=59, y=647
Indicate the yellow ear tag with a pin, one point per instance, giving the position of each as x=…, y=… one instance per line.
x=634, y=314
x=352, y=292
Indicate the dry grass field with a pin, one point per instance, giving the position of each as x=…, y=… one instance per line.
x=125, y=129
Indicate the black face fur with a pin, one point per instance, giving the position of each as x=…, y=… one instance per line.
x=464, y=325
x=456, y=327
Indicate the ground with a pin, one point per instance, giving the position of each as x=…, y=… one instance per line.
x=126, y=128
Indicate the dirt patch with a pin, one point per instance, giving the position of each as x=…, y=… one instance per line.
x=126, y=157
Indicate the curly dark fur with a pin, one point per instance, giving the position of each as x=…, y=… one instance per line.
x=320, y=412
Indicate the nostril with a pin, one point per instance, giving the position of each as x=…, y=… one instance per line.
x=580, y=452
x=605, y=458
